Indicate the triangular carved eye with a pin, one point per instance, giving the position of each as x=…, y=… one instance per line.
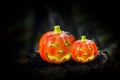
x=67, y=43
x=53, y=44
x=90, y=48
x=80, y=49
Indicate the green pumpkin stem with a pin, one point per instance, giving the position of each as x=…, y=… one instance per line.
x=83, y=38
x=57, y=29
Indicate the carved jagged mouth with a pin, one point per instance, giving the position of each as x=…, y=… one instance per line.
x=90, y=58
x=57, y=58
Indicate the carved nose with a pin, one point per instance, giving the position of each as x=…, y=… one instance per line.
x=60, y=51
x=86, y=54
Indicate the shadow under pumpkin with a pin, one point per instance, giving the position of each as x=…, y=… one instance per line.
x=104, y=66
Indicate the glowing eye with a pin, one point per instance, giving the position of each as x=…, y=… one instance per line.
x=90, y=48
x=53, y=44
x=67, y=44
x=80, y=49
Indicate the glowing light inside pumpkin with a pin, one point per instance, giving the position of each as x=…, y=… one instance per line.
x=58, y=59
x=84, y=50
x=87, y=59
x=54, y=46
x=60, y=51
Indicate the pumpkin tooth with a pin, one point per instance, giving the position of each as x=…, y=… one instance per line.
x=79, y=58
x=92, y=57
x=66, y=57
x=50, y=57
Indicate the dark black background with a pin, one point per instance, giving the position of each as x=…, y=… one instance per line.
x=13, y=13
x=104, y=14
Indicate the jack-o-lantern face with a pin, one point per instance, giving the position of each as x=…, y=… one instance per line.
x=54, y=46
x=84, y=50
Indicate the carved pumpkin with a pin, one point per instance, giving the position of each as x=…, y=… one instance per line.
x=84, y=50
x=54, y=46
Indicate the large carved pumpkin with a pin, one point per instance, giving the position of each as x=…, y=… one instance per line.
x=54, y=46
x=84, y=50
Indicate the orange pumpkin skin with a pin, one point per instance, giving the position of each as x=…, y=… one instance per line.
x=55, y=47
x=84, y=51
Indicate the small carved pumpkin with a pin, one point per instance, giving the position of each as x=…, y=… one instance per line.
x=54, y=46
x=84, y=50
